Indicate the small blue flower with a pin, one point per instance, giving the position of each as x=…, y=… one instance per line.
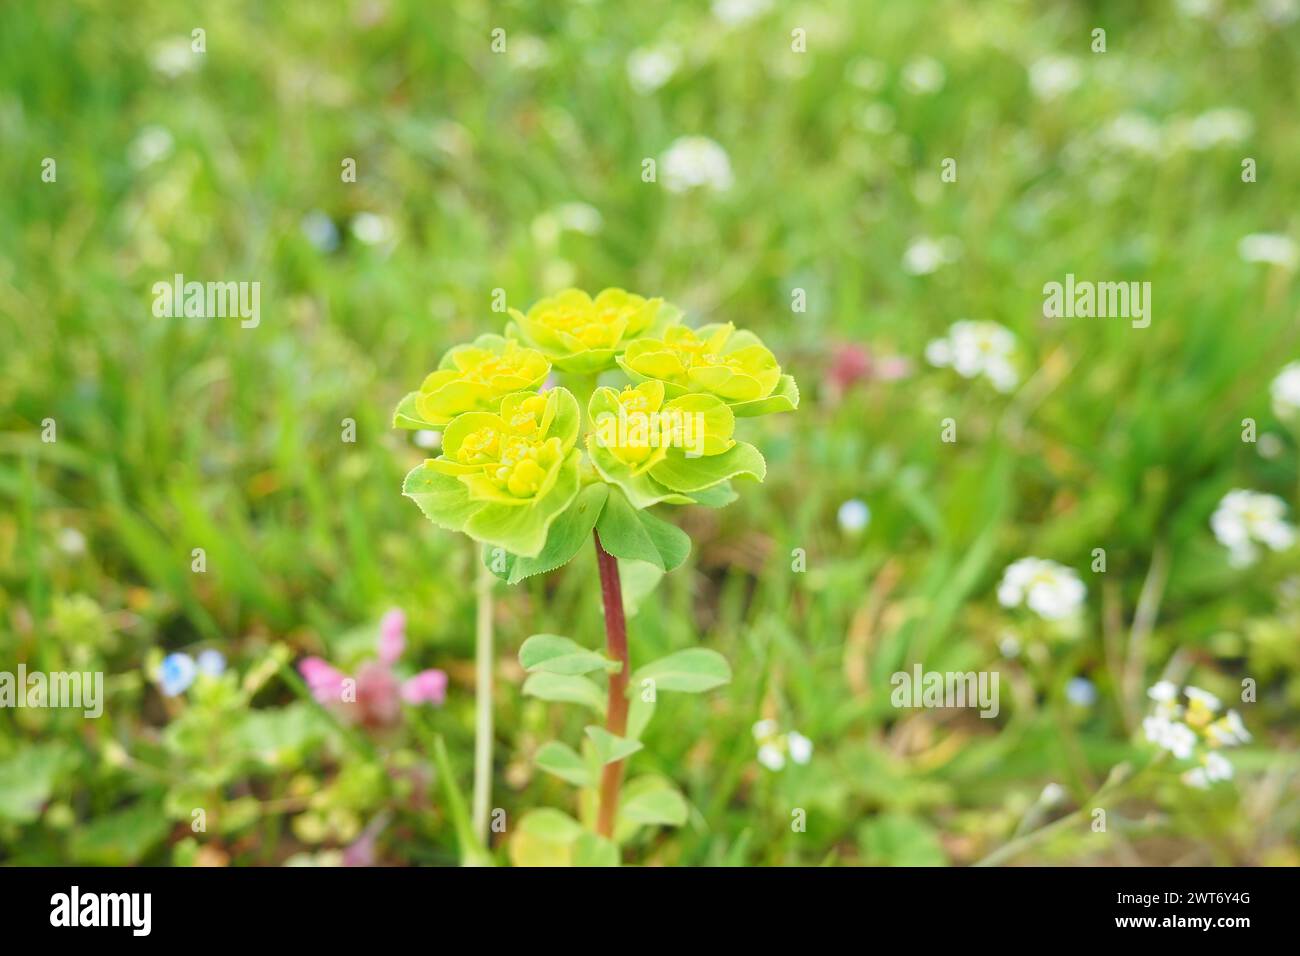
x=177, y=674
x=212, y=663
x=1081, y=692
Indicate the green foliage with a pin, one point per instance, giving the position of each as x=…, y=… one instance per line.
x=180, y=433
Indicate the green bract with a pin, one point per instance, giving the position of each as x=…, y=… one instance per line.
x=503, y=478
x=665, y=451
x=472, y=377
x=717, y=360
x=515, y=459
x=583, y=335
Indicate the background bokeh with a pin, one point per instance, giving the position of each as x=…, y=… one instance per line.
x=523, y=171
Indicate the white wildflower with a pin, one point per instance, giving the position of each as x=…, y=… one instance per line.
x=735, y=13
x=174, y=57
x=151, y=145
x=925, y=254
x=1285, y=391
x=1054, y=76
x=1163, y=692
x=1053, y=794
x=693, y=161
x=1245, y=519
x=1050, y=590
x=1202, y=697
x=371, y=228
x=774, y=747
x=1196, y=777
x=1228, y=731
x=1171, y=735
x=649, y=68
x=1135, y=133
x=771, y=756
x=1217, y=767
x=579, y=217
x=528, y=52
x=801, y=748
x=973, y=349
x=1219, y=127
x=72, y=541
x=923, y=75
x=1269, y=247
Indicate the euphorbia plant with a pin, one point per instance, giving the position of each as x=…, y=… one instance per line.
x=532, y=471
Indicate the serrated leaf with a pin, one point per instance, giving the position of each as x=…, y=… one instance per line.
x=406, y=416
x=444, y=500
x=692, y=671
x=641, y=490
x=719, y=496
x=609, y=747
x=565, y=689
x=566, y=537
x=564, y=762
x=560, y=655
x=522, y=529
x=784, y=399
x=688, y=475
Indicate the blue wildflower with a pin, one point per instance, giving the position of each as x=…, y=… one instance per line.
x=177, y=674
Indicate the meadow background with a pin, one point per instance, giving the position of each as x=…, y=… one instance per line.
x=522, y=171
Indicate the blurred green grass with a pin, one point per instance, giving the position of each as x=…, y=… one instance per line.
x=176, y=434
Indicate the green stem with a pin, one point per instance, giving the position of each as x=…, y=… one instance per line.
x=1120, y=776
x=611, y=776
x=482, y=797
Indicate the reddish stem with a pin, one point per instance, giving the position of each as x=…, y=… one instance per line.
x=611, y=777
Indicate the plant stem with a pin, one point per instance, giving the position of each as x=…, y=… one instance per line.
x=611, y=777
x=482, y=798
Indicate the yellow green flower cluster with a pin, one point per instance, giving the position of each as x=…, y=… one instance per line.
x=512, y=465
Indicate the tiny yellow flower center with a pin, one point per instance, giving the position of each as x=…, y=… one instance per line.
x=479, y=447
x=595, y=329
x=525, y=477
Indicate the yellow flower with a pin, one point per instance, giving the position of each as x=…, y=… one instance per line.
x=637, y=427
x=583, y=335
x=475, y=377
x=512, y=456
x=717, y=360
